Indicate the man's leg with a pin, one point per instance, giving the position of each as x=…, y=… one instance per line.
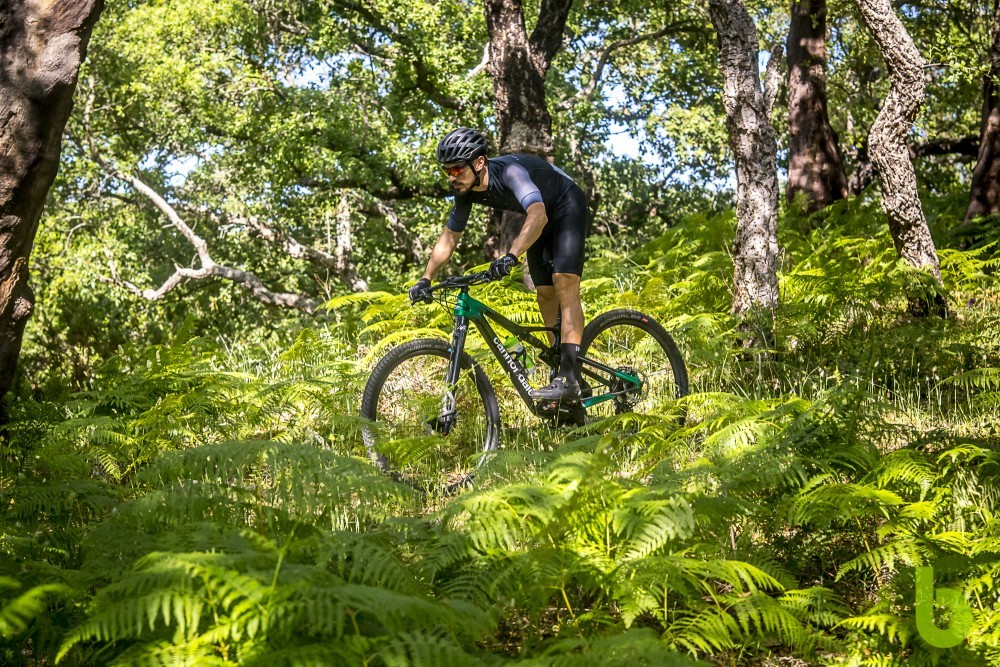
x=565, y=247
x=548, y=305
x=567, y=289
x=566, y=385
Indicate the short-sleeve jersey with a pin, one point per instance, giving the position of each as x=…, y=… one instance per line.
x=515, y=182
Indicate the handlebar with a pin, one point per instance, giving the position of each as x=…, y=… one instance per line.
x=460, y=282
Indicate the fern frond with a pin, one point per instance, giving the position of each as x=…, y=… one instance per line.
x=355, y=298
x=709, y=631
x=425, y=650
x=818, y=606
x=649, y=525
x=169, y=654
x=16, y=614
x=909, y=552
x=130, y=618
x=907, y=466
x=637, y=646
x=977, y=378
x=349, y=652
x=887, y=625
x=823, y=503
x=761, y=617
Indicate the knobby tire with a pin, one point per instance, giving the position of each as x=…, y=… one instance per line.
x=410, y=378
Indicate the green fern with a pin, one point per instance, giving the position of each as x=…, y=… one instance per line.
x=17, y=613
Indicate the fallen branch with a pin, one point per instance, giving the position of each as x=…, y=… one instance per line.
x=209, y=267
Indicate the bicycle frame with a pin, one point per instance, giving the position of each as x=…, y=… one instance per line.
x=468, y=309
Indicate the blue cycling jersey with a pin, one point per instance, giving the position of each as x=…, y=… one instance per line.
x=515, y=182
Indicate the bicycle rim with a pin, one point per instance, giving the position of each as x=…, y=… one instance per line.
x=427, y=436
x=635, y=347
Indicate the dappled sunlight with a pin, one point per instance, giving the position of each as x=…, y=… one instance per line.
x=785, y=501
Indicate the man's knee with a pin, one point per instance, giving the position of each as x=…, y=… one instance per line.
x=567, y=286
x=546, y=294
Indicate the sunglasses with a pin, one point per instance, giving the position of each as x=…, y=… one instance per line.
x=455, y=170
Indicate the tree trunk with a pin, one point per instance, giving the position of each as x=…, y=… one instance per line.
x=518, y=65
x=751, y=138
x=984, y=198
x=815, y=166
x=887, y=138
x=41, y=47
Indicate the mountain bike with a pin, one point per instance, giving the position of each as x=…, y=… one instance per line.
x=433, y=413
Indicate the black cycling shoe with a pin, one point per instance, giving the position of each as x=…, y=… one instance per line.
x=560, y=389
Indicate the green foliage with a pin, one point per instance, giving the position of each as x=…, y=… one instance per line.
x=295, y=112
x=17, y=613
x=209, y=505
x=184, y=482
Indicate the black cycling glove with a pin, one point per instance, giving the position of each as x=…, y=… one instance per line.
x=502, y=266
x=419, y=291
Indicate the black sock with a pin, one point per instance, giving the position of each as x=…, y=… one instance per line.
x=567, y=360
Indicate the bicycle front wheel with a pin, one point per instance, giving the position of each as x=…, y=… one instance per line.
x=425, y=433
x=638, y=366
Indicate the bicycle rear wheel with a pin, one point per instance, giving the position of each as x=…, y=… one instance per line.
x=634, y=346
x=425, y=434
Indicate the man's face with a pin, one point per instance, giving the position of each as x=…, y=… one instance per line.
x=461, y=176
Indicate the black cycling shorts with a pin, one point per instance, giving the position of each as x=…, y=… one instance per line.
x=560, y=247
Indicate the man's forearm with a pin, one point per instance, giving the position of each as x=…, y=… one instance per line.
x=435, y=262
x=441, y=253
x=530, y=231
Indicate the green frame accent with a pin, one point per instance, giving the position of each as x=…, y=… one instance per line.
x=466, y=306
x=634, y=379
x=594, y=400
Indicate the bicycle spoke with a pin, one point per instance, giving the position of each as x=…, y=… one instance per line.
x=429, y=434
x=636, y=352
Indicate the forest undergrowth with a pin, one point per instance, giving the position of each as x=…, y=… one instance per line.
x=207, y=504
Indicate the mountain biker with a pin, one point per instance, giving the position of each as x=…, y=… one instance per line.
x=552, y=236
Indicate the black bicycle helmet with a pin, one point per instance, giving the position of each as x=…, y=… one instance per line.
x=461, y=145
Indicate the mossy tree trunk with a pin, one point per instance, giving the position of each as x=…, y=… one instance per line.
x=41, y=47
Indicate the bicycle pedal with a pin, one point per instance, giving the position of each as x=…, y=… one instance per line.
x=547, y=408
x=566, y=417
x=567, y=412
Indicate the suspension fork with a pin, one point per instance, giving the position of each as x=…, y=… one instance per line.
x=446, y=417
x=457, y=347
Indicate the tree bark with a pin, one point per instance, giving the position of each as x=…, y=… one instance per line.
x=984, y=197
x=752, y=140
x=41, y=47
x=887, y=138
x=815, y=165
x=517, y=65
